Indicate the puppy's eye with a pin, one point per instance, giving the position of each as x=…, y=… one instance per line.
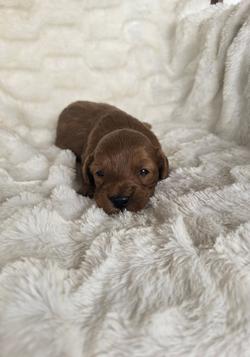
x=144, y=172
x=99, y=173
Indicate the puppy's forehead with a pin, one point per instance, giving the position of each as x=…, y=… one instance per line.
x=124, y=150
x=122, y=157
x=123, y=161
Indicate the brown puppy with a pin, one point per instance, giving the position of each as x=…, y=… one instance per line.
x=121, y=158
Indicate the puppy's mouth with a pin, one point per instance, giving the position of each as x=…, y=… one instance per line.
x=113, y=204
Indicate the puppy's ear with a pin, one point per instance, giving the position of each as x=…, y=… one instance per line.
x=88, y=183
x=163, y=165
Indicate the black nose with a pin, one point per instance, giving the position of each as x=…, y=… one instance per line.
x=119, y=201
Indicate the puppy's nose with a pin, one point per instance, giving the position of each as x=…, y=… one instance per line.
x=119, y=201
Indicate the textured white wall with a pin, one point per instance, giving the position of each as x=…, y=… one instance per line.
x=53, y=52
x=157, y=59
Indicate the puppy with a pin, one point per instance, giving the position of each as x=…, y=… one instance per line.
x=121, y=159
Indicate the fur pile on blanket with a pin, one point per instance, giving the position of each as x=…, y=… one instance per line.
x=173, y=279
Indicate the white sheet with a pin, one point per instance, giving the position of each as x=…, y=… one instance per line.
x=172, y=280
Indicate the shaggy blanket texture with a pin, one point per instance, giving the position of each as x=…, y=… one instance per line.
x=172, y=280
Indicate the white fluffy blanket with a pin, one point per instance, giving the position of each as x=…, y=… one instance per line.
x=172, y=280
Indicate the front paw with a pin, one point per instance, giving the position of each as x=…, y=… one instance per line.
x=86, y=191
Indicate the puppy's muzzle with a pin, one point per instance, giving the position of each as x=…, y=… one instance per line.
x=119, y=202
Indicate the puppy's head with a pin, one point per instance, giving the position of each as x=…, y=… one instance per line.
x=123, y=171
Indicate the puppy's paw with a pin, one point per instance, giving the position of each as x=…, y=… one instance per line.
x=86, y=191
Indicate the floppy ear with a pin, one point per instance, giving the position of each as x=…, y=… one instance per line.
x=88, y=183
x=163, y=165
